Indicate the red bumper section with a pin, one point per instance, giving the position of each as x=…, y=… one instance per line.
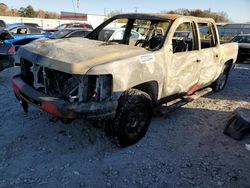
x=61, y=108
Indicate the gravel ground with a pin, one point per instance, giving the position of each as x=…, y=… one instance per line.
x=185, y=149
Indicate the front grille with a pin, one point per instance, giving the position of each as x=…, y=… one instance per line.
x=73, y=88
x=60, y=84
x=48, y=81
x=244, y=51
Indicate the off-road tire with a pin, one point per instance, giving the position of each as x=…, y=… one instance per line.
x=133, y=116
x=219, y=84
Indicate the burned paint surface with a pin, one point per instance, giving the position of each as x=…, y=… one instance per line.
x=130, y=66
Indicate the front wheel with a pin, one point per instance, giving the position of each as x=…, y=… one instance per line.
x=133, y=117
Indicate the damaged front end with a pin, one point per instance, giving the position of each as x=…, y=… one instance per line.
x=65, y=95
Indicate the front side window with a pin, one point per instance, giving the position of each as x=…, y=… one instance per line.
x=184, y=38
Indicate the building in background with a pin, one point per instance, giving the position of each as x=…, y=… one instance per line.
x=230, y=30
x=73, y=16
x=66, y=17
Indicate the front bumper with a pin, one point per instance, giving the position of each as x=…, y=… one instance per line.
x=61, y=108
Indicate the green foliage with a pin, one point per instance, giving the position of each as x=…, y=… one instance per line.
x=217, y=16
x=27, y=12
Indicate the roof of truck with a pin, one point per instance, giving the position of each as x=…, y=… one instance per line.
x=156, y=16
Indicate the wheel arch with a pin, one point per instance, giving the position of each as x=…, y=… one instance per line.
x=151, y=88
x=228, y=66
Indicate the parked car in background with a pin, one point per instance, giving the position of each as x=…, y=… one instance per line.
x=244, y=47
x=22, y=35
x=74, y=25
x=18, y=41
x=229, y=31
x=2, y=25
x=100, y=78
x=70, y=32
x=24, y=30
x=22, y=39
x=70, y=25
x=64, y=33
x=6, y=51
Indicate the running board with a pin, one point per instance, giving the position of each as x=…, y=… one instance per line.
x=166, y=108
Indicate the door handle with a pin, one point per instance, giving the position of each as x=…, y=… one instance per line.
x=217, y=55
x=198, y=60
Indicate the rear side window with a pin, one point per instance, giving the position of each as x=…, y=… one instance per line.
x=207, y=35
x=184, y=38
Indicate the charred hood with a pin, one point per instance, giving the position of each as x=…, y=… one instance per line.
x=76, y=55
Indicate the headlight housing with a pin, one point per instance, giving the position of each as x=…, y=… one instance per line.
x=95, y=88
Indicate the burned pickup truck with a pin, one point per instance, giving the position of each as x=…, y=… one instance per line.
x=124, y=78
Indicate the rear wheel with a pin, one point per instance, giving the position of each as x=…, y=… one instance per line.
x=221, y=82
x=133, y=117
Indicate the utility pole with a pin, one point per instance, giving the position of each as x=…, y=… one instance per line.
x=78, y=5
x=136, y=9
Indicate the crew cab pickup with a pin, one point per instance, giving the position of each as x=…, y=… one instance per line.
x=123, y=79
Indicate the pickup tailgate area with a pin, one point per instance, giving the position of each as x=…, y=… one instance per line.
x=229, y=51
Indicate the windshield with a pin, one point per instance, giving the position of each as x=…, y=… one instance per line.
x=62, y=26
x=2, y=24
x=59, y=34
x=242, y=39
x=148, y=34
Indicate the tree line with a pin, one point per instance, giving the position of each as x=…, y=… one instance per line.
x=31, y=13
x=217, y=16
x=27, y=12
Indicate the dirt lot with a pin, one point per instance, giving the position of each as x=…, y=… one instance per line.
x=186, y=149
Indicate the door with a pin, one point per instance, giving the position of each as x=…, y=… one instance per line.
x=209, y=53
x=184, y=69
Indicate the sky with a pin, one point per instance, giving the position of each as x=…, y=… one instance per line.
x=237, y=10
